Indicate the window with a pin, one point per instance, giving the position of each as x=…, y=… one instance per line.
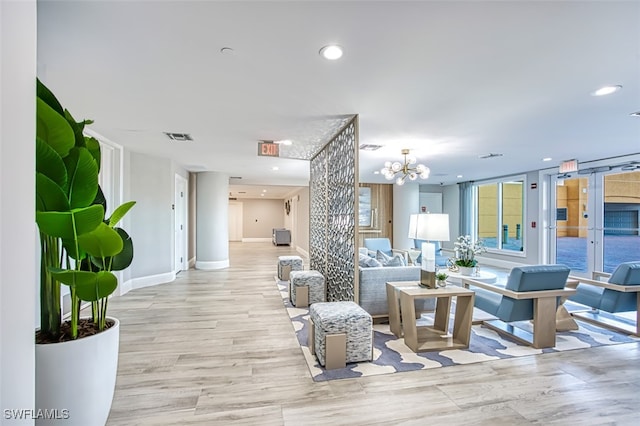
x=500, y=207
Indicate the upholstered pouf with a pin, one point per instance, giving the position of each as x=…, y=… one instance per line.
x=286, y=264
x=306, y=287
x=340, y=332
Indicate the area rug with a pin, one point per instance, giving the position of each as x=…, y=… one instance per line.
x=391, y=355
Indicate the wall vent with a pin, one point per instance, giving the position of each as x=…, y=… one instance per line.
x=179, y=137
x=370, y=147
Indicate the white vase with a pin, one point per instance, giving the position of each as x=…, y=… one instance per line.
x=75, y=380
x=464, y=270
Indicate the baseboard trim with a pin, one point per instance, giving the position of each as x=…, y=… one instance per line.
x=256, y=240
x=147, y=281
x=302, y=251
x=212, y=265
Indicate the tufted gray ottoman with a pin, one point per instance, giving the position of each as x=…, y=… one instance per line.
x=286, y=264
x=340, y=332
x=306, y=287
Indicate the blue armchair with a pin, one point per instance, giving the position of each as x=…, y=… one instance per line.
x=531, y=293
x=384, y=245
x=621, y=293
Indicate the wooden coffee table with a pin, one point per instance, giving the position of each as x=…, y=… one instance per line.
x=434, y=337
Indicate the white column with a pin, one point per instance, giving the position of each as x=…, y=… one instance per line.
x=406, y=200
x=212, y=221
x=18, y=238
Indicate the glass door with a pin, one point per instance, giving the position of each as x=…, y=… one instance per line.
x=571, y=234
x=620, y=227
x=595, y=220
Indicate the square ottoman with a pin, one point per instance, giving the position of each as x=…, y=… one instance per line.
x=306, y=287
x=286, y=264
x=340, y=332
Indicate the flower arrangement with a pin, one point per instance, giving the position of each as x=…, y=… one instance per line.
x=466, y=251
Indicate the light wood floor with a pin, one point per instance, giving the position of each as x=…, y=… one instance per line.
x=217, y=348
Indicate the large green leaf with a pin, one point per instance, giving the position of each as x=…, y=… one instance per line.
x=100, y=199
x=93, y=146
x=105, y=283
x=120, y=261
x=78, y=129
x=73, y=278
x=45, y=94
x=120, y=212
x=101, y=242
x=70, y=224
x=50, y=164
x=52, y=128
x=49, y=196
x=70, y=247
x=83, y=177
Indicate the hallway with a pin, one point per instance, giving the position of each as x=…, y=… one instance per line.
x=218, y=348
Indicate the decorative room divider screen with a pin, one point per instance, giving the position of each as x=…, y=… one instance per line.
x=333, y=213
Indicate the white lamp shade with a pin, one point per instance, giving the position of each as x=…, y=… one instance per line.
x=432, y=227
x=413, y=226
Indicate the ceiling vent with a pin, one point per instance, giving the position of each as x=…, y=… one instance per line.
x=179, y=137
x=490, y=155
x=370, y=147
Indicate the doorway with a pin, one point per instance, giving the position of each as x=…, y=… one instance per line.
x=180, y=225
x=235, y=221
x=595, y=220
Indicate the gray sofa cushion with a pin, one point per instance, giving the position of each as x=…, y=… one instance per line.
x=373, y=288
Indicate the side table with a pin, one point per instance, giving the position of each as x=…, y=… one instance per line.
x=435, y=337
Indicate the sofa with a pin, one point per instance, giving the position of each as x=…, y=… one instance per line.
x=373, y=288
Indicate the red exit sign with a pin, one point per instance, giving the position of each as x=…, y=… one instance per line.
x=268, y=149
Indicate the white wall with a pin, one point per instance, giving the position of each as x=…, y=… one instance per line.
x=405, y=202
x=18, y=265
x=261, y=216
x=302, y=219
x=151, y=184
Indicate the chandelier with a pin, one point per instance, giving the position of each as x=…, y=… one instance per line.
x=404, y=170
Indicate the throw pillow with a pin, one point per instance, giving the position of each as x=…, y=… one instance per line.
x=386, y=260
x=366, y=261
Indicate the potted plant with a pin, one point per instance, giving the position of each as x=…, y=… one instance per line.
x=441, y=279
x=76, y=360
x=466, y=251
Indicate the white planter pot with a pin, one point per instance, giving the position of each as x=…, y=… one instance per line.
x=75, y=380
x=465, y=270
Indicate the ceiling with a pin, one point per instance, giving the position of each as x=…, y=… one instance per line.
x=451, y=81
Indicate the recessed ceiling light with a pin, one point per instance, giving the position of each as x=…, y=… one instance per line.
x=331, y=52
x=283, y=142
x=376, y=172
x=262, y=195
x=227, y=51
x=275, y=168
x=459, y=176
x=635, y=114
x=264, y=190
x=606, y=90
x=547, y=159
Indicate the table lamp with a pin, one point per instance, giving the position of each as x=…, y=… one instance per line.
x=430, y=227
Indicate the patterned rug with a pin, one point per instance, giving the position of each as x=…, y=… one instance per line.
x=391, y=355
